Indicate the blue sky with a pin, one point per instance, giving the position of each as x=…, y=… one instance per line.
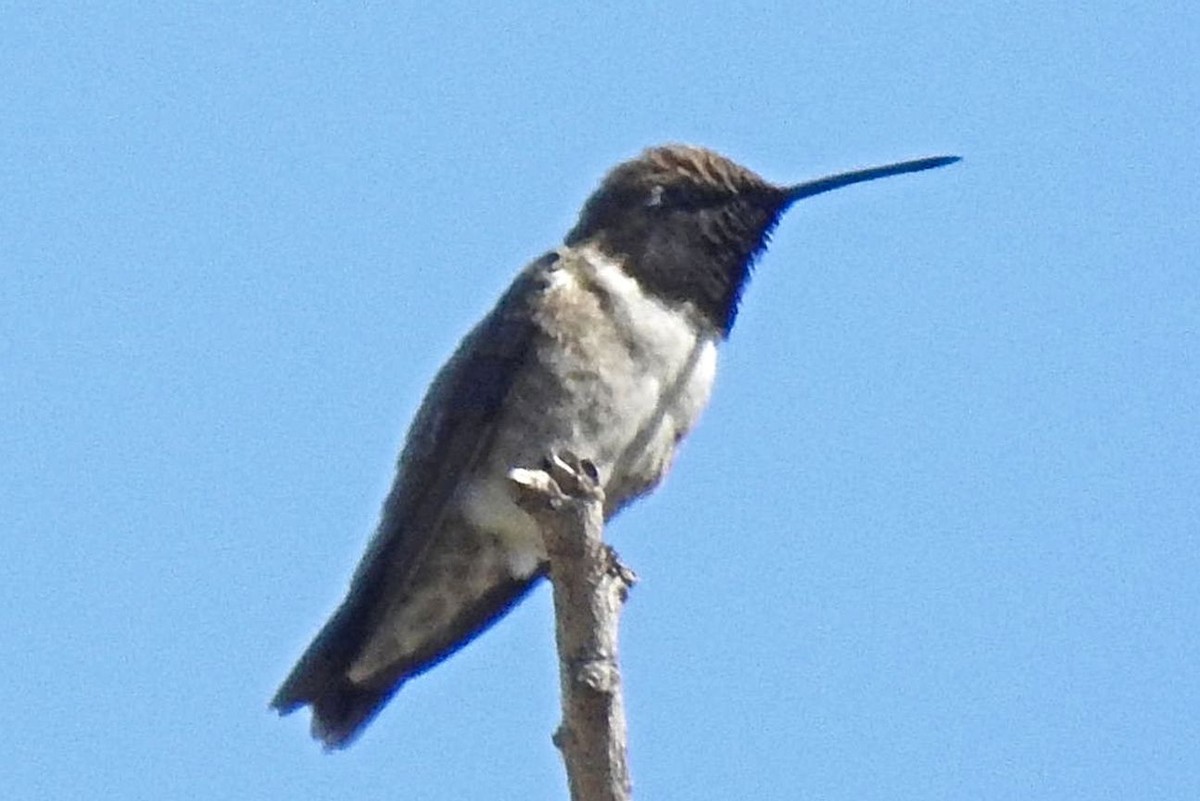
x=935, y=538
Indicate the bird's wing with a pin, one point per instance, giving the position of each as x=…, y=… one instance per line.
x=452, y=429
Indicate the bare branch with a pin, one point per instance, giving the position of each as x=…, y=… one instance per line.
x=590, y=584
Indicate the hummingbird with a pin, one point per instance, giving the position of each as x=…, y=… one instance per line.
x=605, y=347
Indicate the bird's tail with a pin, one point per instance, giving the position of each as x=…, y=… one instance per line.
x=340, y=708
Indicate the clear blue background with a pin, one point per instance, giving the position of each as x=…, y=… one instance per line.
x=936, y=537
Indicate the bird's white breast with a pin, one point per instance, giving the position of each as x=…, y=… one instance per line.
x=629, y=377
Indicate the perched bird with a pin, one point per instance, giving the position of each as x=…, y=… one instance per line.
x=605, y=347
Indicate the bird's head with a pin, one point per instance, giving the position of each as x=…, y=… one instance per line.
x=689, y=223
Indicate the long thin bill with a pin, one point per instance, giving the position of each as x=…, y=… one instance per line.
x=816, y=187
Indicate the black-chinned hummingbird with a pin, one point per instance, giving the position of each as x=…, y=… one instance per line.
x=605, y=347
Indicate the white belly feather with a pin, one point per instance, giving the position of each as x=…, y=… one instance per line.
x=643, y=369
